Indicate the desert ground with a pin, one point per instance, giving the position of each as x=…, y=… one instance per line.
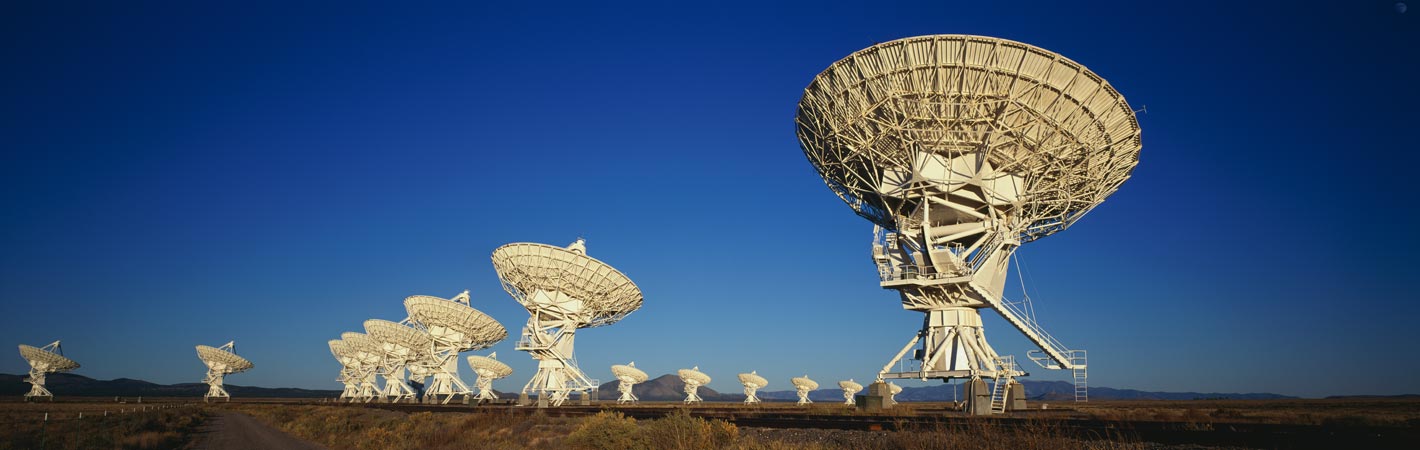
x=171, y=423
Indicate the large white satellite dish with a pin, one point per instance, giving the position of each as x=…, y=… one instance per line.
x=366, y=355
x=488, y=368
x=802, y=386
x=628, y=376
x=960, y=149
x=220, y=362
x=455, y=327
x=693, y=379
x=850, y=388
x=349, y=374
x=44, y=360
x=400, y=345
x=752, y=382
x=563, y=290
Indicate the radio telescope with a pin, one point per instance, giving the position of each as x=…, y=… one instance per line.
x=629, y=376
x=563, y=290
x=960, y=149
x=693, y=379
x=400, y=345
x=348, y=374
x=752, y=383
x=220, y=361
x=44, y=360
x=455, y=327
x=488, y=368
x=803, y=385
x=893, y=390
x=849, y=388
x=365, y=355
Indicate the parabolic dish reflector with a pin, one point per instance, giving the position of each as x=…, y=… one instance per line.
x=546, y=279
x=753, y=379
x=363, y=348
x=694, y=375
x=804, y=382
x=222, y=360
x=416, y=344
x=498, y=368
x=850, y=385
x=632, y=373
x=46, y=360
x=999, y=124
x=451, y=321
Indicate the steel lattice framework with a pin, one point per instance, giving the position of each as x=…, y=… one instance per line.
x=875, y=122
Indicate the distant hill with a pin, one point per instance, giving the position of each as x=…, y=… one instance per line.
x=68, y=384
x=665, y=388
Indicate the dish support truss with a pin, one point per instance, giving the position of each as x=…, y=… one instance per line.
x=625, y=387
x=692, y=392
x=803, y=392
x=950, y=284
x=37, y=371
x=549, y=341
x=751, y=394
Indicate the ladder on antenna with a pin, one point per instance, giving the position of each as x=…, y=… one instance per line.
x=1000, y=387
x=1082, y=389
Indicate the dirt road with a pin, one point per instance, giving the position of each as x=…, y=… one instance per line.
x=228, y=430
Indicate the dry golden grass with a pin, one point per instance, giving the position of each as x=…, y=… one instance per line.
x=1345, y=412
x=127, y=426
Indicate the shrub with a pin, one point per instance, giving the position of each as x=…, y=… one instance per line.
x=607, y=430
x=680, y=431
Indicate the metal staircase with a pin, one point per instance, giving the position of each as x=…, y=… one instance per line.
x=1052, y=354
x=1000, y=386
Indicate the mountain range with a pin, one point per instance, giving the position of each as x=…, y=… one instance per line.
x=68, y=384
x=663, y=388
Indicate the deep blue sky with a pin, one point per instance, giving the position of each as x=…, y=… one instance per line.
x=176, y=174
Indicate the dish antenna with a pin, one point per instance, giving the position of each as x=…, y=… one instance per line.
x=849, y=388
x=893, y=390
x=488, y=368
x=693, y=379
x=752, y=383
x=366, y=355
x=803, y=385
x=220, y=361
x=960, y=149
x=455, y=327
x=563, y=290
x=44, y=360
x=348, y=375
x=400, y=345
x=629, y=376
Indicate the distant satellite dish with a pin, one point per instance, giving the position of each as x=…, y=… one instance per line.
x=220, y=361
x=455, y=327
x=629, y=376
x=366, y=355
x=693, y=379
x=400, y=345
x=488, y=368
x=348, y=374
x=752, y=383
x=44, y=360
x=803, y=385
x=563, y=290
x=850, y=388
x=893, y=390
